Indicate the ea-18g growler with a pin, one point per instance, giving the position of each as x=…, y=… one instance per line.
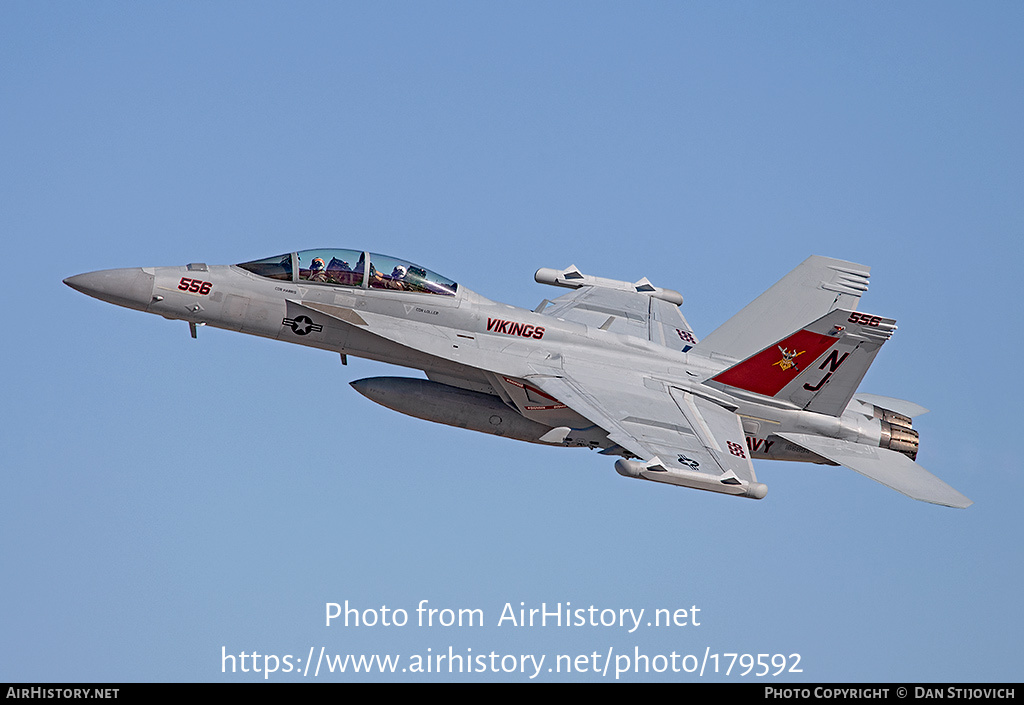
x=611, y=365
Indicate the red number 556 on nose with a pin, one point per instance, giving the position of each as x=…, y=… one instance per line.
x=195, y=286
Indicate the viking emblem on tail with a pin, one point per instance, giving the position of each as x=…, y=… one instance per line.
x=787, y=358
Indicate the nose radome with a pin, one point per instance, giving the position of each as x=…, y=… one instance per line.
x=131, y=287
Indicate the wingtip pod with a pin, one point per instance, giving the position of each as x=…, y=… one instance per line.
x=756, y=490
x=654, y=471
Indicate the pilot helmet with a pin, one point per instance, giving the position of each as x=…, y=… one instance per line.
x=317, y=265
x=398, y=272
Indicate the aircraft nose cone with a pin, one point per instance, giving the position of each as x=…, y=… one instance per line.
x=131, y=287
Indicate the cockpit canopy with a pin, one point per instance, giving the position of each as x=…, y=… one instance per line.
x=352, y=268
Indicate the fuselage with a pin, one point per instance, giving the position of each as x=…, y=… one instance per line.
x=459, y=338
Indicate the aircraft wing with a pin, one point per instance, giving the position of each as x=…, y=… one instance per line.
x=626, y=312
x=680, y=438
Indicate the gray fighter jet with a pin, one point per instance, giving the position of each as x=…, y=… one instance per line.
x=612, y=365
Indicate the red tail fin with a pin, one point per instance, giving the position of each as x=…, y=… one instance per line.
x=770, y=370
x=818, y=368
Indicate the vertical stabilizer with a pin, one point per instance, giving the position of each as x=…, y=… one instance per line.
x=817, y=368
x=815, y=287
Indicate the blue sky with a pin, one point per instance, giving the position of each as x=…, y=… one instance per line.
x=166, y=498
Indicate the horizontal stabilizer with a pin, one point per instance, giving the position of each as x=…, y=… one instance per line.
x=900, y=406
x=892, y=469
